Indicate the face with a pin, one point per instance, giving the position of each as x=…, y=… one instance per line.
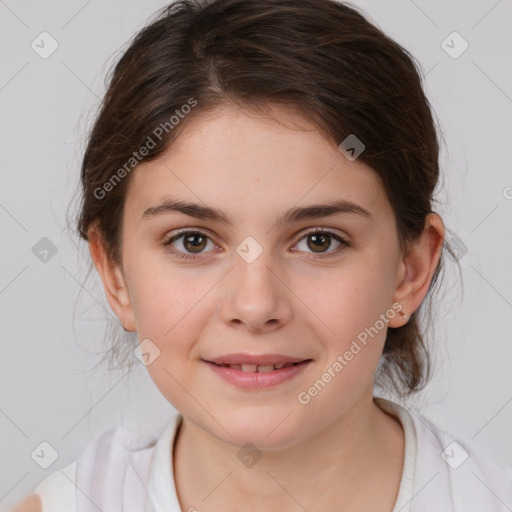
x=258, y=284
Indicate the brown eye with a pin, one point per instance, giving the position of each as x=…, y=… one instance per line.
x=319, y=241
x=192, y=243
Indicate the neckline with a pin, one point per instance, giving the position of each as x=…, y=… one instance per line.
x=405, y=490
x=162, y=492
x=161, y=489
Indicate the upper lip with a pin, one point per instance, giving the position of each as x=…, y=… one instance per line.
x=259, y=360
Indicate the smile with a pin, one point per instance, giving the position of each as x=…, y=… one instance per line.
x=257, y=376
x=252, y=368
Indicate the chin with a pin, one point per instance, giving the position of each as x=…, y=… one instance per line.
x=264, y=429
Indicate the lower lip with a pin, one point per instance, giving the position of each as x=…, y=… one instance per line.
x=256, y=380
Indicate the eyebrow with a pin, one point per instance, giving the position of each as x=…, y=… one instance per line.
x=202, y=212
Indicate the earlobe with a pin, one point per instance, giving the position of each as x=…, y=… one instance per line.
x=113, y=280
x=417, y=269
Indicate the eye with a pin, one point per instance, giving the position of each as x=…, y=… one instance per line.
x=320, y=239
x=193, y=241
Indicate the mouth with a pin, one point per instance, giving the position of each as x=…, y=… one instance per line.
x=242, y=359
x=255, y=372
x=254, y=368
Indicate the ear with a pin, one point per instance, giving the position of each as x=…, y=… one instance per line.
x=416, y=269
x=113, y=279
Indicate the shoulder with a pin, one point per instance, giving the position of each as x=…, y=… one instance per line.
x=113, y=466
x=31, y=503
x=474, y=480
x=102, y=455
x=55, y=493
x=451, y=472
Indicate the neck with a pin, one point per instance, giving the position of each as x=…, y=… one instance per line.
x=348, y=458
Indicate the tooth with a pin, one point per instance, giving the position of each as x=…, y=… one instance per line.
x=251, y=368
x=235, y=366
x=278, y=366
x=265, y=368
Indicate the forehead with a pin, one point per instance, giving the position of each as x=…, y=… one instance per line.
x=250, y=163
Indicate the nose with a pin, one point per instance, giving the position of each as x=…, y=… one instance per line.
x=255, y=296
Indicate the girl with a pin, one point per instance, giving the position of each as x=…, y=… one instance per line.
x=257, y=200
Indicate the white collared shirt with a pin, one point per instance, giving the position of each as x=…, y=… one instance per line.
x=116, y=473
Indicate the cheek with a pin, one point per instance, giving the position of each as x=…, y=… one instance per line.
x=349, y=299
x=170, y=313
x=163, y=295
x=167, y=311
x=352, y=307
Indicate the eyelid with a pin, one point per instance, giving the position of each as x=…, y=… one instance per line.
x=182, y=231
x=204, y=231
x=321, y=229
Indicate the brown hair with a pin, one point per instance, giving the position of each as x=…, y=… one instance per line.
x=322, y=57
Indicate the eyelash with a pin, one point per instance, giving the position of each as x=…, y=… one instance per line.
x=185, y=256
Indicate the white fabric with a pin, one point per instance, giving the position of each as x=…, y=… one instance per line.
x=120, y=473
x=57, y=491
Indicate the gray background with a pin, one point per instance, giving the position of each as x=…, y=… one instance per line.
x=53, y=320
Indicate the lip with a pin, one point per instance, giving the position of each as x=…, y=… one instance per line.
x=260, y=360
x=257, y=380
